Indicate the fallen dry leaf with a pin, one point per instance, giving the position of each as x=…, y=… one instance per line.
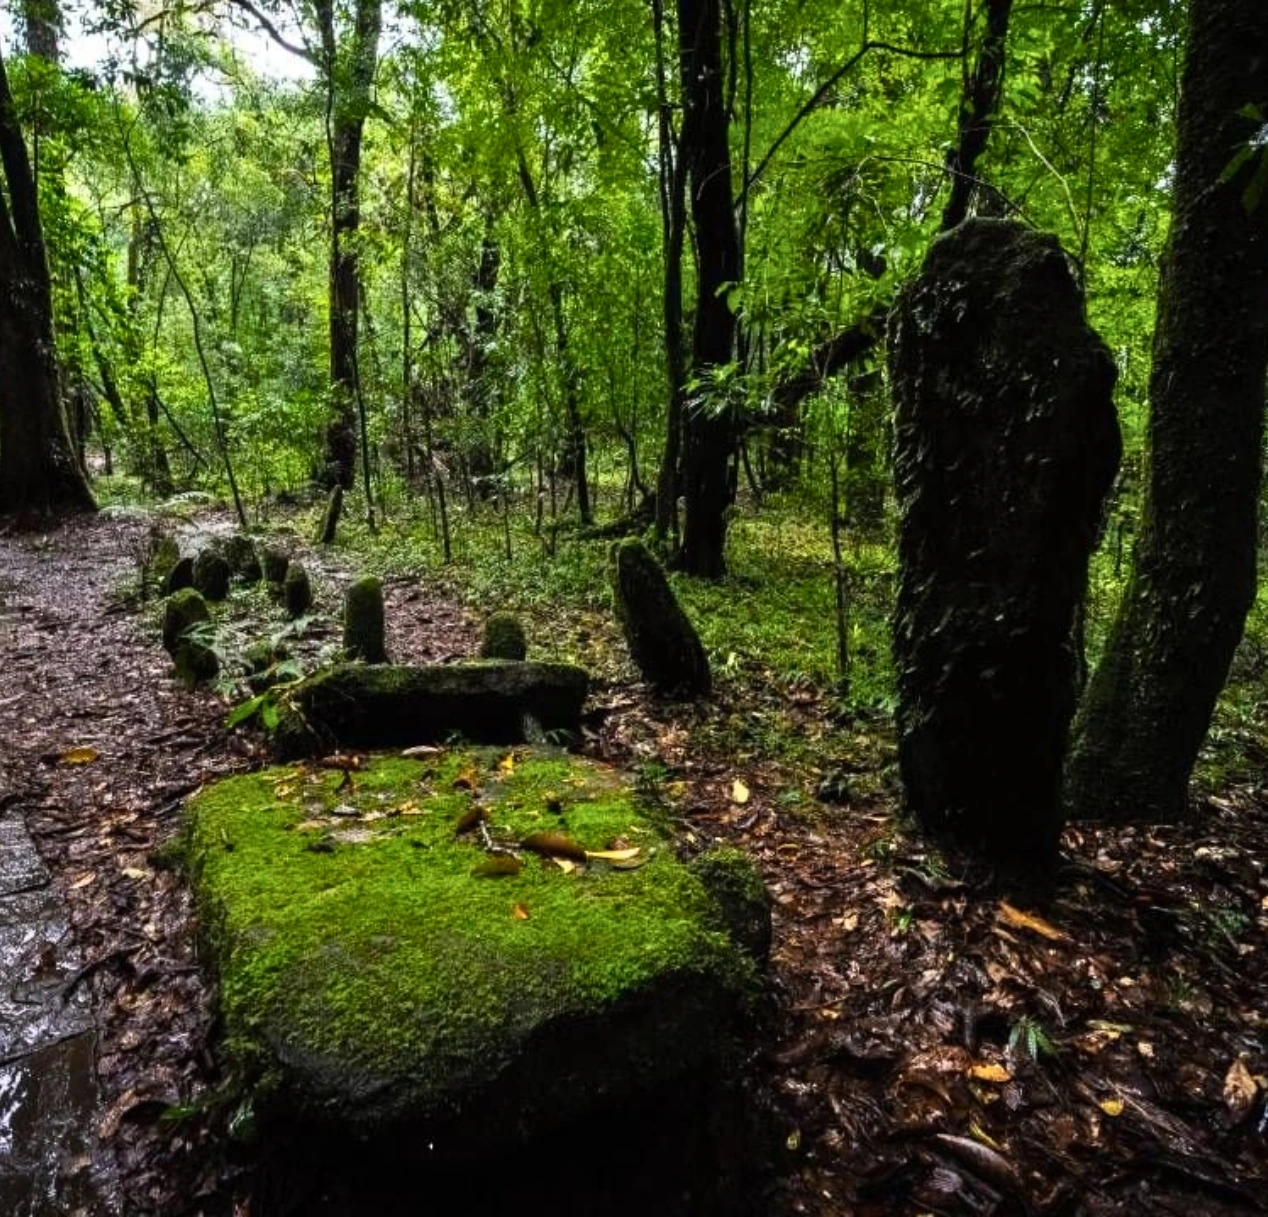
x=554, y=845
x=739, y=793
x=1112, y=1107
x=1020, y=920
x=1240, y=1090
x=79, y=756
x=520, y=913
x=615, y=855
x=989, y=1072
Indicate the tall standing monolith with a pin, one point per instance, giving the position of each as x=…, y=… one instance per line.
x=1005, y=445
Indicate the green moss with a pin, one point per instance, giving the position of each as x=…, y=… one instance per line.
x=363, y=621
x=297, y=591
x=379, y=957
x=504, y=638
x=182, y=610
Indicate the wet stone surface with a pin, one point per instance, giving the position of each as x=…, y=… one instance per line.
x=47, y=1083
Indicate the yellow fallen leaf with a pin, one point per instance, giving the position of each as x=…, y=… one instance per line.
x=739, y=792
x=990, y=1073
x=615, y=855
x=136, y=872
x=83, y=881
x=1028, y=921
x=567, y=865
x=1240, y=1090
x=79, y=756
x=507, y=765
x=520, y=913
x=1112, y=1107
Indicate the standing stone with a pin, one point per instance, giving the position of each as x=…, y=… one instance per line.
x=181, y=611
x=504, y=638
x=297, y=591
x=211, y=575
x=273, y=564
x=363, y=621
x=243, y=558
x=663, y=644
x=179, y=577
x=330, y=518
x=1006, y=443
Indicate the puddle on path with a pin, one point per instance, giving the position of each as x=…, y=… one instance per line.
x=48, y=1093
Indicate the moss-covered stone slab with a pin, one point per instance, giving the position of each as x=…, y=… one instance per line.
x=379, y=977
x=394, y=706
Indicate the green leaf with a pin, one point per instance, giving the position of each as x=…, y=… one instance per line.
x=245, y=710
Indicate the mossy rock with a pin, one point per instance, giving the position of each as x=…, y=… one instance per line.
x=195, y=662
x=243, y=558
x=395, y=706
x=273, y=564
x=663, y=643
x=261, y=659
x=504, y=638
x=182, y=610
x=297, y=591
x=212, y=574
x=179, y=577
x=378, y=985
x=364, y=626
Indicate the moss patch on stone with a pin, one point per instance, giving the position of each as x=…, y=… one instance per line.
x=379, y=981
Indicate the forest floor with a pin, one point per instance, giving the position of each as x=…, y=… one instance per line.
x=937, y=1043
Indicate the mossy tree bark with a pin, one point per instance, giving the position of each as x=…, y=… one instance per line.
x=1149, y=705
x=39, y=468
x=708, y=430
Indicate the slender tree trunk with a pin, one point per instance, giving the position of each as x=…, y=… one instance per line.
x=39, y=470
x=1149, y=705
x=977, y=113
x=709, y=430
x=673, y=213
x=347, y=97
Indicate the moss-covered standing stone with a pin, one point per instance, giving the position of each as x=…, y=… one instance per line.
x=663, y=643
x=297, y=591
x=179, y=577
x=330, y=518
x=181, y=610
x=243, y=558
x=211, y=575
x=273, y=564
x=195, y=662
x=364, y=625
x=504, y=638
x=381, y=982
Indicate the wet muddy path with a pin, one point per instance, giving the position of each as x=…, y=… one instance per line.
x=103, y=1014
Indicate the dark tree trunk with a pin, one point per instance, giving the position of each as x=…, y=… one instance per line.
x=483, y=459
x=1148, y=707
x=673, y=214
x=977, y=112
x=348, y=87
x=39, y=470
x=708, y=431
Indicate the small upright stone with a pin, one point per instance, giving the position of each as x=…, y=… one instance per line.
x=243, y=559
x=1005, y=444
x=195, y=662
x=273, y=564
x=182, y=609
x=297, y=591
x=363, y=621
x=179, y=577
x=330, y=520
x=211, y=575
x=504, y=638
x=663, y=643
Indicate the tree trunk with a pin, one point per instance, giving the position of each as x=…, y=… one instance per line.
x=348, y=96
x=1148, y=707
x=708, y=430
x=39, y=470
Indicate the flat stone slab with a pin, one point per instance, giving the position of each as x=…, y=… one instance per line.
x=428, y=949
x=395, y=705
